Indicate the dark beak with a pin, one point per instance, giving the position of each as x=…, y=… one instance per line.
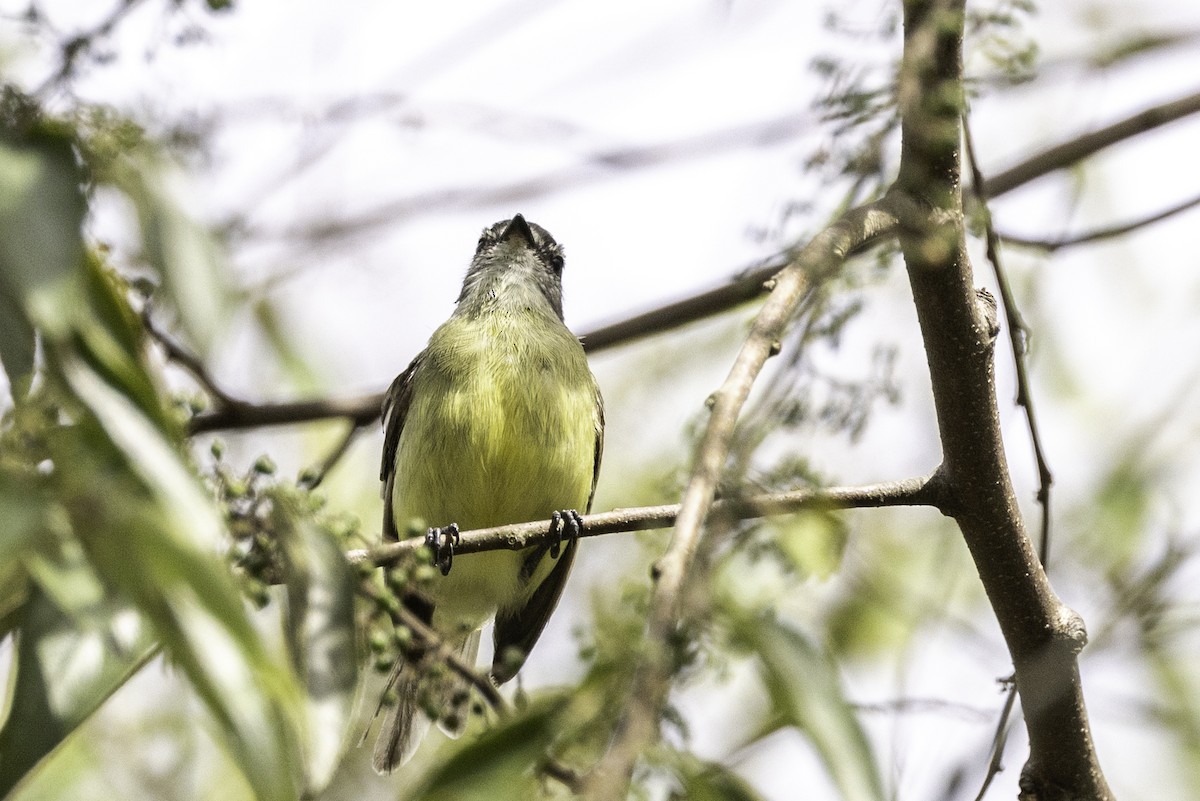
x=518, y=227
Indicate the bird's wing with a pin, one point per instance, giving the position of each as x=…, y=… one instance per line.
x=520, y=628
x=395, y=410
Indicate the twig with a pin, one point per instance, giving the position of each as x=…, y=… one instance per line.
x=736, y=291
x=999, y=739
x=234, y=413
x=638, y=721
x=187, y=360
x=430, y=640
x=454, y=660
x=239, y=415
x=1100, y=234
x=1079, y=148
x=906, y=492
x=312, y=477
x=1018, y=337
x=79, y=44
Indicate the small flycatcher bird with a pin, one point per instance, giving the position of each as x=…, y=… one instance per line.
x=499, y=420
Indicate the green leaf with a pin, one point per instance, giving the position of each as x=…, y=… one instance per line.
x=709, y=781
x=320, y=635
x=41, y=215
x=499, y=764
x=185, y=254
x=63, y=674
x=813, y=542
x=150, y=530
x=16, y=344
x=110, y=337
x=806, y=691
x=23, y=513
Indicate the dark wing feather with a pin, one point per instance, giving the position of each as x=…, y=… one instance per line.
x=520, y=628
x=395, y=411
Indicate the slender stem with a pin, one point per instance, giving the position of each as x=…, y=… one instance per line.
x=1107, y=232
x=78, y=45
x=312, y=477
x=1079, y=148
x=515, y=537
x=187, y=360
x=1018, y=335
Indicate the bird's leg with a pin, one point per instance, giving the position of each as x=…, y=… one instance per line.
x=442, y=541
x=567, y=525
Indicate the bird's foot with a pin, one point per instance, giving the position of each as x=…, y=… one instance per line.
x=442, y=541
x=565, y=525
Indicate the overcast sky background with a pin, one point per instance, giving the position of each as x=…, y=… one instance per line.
x=413, y=113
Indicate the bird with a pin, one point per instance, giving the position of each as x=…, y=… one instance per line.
x=498, y=420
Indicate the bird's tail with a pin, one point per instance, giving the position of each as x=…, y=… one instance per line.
x=405, y=723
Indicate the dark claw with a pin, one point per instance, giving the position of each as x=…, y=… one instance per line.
x=564, y=525
x=442, y=541
x=555, y=534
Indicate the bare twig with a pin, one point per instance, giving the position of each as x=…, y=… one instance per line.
x=239, y=415
x=312, y=477
x=1079, y=148
x=999, y=740
x=514, y=537
x=1018, y=337
x=638, y=722
x=187, y=360
x=78, y=45
x=1107, y=232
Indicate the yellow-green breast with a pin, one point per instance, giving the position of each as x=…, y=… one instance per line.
x=501, y=429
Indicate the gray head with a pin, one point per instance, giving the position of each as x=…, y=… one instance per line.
x=516, y=262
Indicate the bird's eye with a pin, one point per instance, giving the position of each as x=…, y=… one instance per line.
x=554, y=257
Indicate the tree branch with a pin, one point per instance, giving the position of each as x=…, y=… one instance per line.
x=241, y=414
x=638, y=722
x=1100, y=234
x=515, y=537
x=1079, y=148
x=1043, y=636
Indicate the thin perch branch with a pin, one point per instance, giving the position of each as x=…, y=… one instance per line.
x=514, y=537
